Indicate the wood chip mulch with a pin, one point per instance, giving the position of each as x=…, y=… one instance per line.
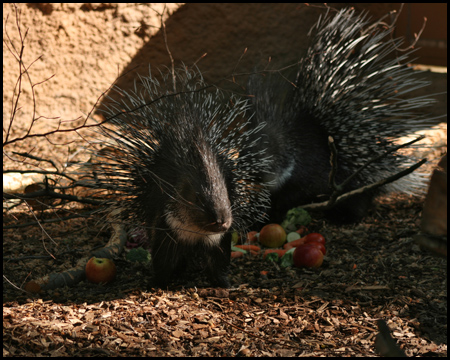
x=372, y=270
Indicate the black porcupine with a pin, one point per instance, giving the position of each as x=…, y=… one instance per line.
x=178, y=157
x=349, y=86
x=195, y=163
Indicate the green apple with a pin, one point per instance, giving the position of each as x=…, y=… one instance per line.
x=272, y=236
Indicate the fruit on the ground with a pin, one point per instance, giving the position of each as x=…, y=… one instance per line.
x=234, y=238
x=315, y=237
x=317, y=244
x=272, y=235
x=308, y=255
x=100, y=270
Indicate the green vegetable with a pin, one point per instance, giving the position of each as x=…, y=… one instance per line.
x=288, y=259
x=272, y=257
x=234, y=248
x=292, y=236
x=295, y=218
x=138, y=255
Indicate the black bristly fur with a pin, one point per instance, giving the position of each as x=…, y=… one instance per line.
x=178, y=157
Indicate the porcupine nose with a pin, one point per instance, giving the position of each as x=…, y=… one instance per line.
x=218, y=226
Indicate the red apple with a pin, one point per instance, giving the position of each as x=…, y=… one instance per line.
x=272, y=236
x=315, y=237
x=308, y=255
x=100, y=270
x=318, y=244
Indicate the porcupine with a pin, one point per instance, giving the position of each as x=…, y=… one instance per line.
x=196, y=164
x=349, y=86
x=178, y=156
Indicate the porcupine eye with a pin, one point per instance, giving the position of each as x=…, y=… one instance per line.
x=198, y=208
x=187, y=196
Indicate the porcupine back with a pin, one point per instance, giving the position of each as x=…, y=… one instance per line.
x=177, y=157
x=348, y=86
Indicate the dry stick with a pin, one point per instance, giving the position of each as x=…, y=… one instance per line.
x=392, y=26
x=49, y=221
x=338, y=189
x=172, y=63
x=53, y=195
x=18, y=55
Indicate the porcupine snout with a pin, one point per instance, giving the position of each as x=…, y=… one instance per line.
x=216, y=196
x=206, y=208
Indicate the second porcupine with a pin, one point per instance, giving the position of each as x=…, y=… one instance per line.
x=195, y=164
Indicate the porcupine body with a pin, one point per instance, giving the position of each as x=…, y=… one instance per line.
x=194, y=163
x=177, y=157
x=350, y=85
